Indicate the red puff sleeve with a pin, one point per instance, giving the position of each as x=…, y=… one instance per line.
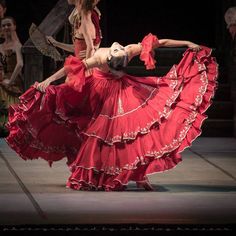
x=75, y=70
x=147, y=50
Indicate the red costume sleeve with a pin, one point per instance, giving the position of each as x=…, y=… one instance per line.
x=147, y=54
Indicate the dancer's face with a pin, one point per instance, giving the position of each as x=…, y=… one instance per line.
x=8, y=25
x=2, y=11
x=117, y=50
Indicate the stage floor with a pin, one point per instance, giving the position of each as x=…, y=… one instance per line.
x=200, y=190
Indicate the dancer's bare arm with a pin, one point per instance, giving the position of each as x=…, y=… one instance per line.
x=64, y=46
x=177, y=43
x=56, y=76
x=135, y=49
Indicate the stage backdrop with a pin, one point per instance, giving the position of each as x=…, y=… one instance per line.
x=128, y=21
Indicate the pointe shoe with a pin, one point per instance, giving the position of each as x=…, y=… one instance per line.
x=145, y=184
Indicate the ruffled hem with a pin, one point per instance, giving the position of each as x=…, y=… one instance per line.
x=90, y=179
x=153, y=161
x=31, y=138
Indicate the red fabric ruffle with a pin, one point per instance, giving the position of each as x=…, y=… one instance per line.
x=53, y=136
x=147, y=53
x=75, y=70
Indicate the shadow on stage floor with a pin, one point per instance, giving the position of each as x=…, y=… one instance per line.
x=182, y=188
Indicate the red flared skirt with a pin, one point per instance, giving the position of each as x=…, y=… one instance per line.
x=116, y=130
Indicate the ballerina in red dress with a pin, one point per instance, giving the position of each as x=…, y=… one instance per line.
x=126, y=127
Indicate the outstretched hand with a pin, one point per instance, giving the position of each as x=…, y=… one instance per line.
x=194, y=47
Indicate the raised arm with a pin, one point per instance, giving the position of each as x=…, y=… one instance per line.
x=56, y=76
x=89, y=63
x=151, y=42
x=177, y=43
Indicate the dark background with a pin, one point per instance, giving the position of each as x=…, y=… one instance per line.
x=127, y=21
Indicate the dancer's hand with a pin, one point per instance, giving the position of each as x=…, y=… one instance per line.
x=43, y=85
x=194, y=47
x=6, y=82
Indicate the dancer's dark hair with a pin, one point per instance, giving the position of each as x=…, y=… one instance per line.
x=118, y=63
